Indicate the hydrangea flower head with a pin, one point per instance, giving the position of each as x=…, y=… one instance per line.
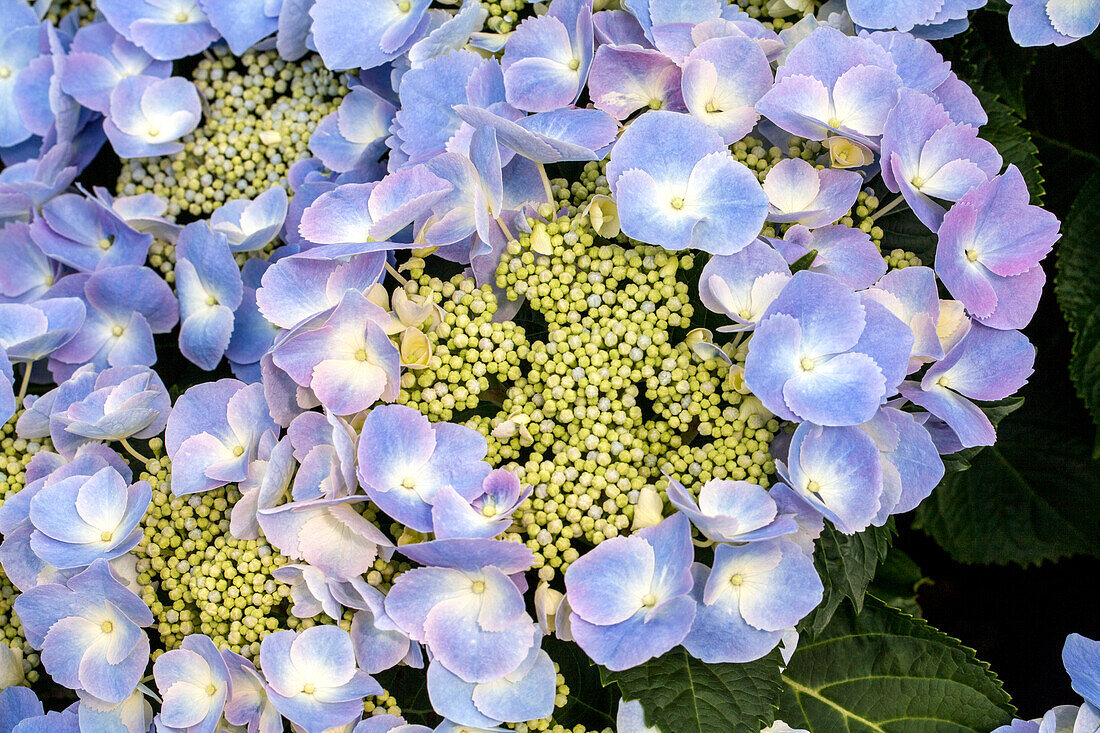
x=472, y=620
x=404, y=460
x=723, y=79
x=82, y=234
x=81, y=519
x=312, y=677
x=89, y=631
x=194, y=686
x=927, y=155
x=349, y=362
x=126, y=306
x=546, y=59
x=831, y=83
x=677, y=186
x=987, y=364
x=823, y=355
x=630, y=596
x=838, y=471
x=214, y=431
x=147, y=116
x=166, y=29
x=989, y=249
x=752, y=593
x=1046, y=22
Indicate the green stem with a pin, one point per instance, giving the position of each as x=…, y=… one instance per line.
x=888, y=208
x=546, y=184
x=130, y=449
x=24, y=385
x=400, y=278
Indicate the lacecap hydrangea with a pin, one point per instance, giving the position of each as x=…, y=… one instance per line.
x=414, y=340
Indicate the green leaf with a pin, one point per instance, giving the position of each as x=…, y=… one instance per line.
x=882, y=671
x=897, y=581
x=1078, y=291
x=1076, y=284
x=680, y=694
x=995, y=411
x=846, y=564
x=1014, y=143
x=804, y=262
x=1027, y=499
x=993, y=61
x=588, y=702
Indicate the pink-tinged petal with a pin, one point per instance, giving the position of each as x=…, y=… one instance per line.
x=723, y=79
x=1017, y=299
x=676, y=141
x=863, y=96
x=462, y=646
x=970, y=424
x=988, y=364
x=798, y=104
x=339, y=216
x=624, y=80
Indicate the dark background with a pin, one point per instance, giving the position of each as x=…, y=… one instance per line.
x=1017, y=619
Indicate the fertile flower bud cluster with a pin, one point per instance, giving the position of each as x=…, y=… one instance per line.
x=260, y=111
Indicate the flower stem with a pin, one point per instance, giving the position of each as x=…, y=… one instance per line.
x=888, y=208
x=130, y=449
x=400, y=278
x=24, y=384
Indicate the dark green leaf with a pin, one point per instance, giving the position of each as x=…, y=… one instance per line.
x=680, y=694
x=1076, y=285
x=1026, y=499
x=588, y=702
x=846, y=564
x=882, y=671
x=897, y=581
x=1078, y=292
x=995, y=411
x=805, y=261
x=993, y=61
x=1012, y=141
